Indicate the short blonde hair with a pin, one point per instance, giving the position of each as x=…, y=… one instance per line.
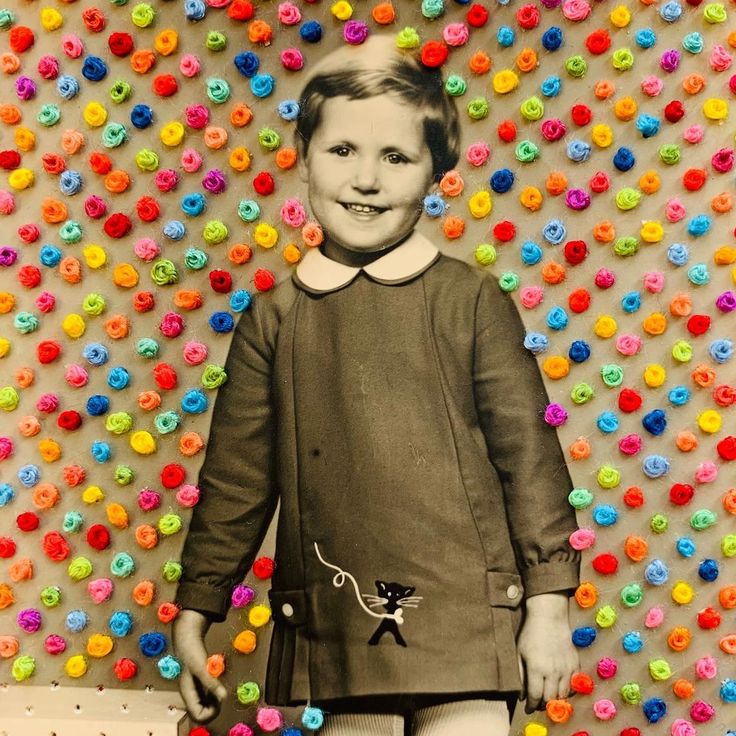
x=379, y=67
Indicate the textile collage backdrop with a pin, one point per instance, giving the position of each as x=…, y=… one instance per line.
x=149, y=191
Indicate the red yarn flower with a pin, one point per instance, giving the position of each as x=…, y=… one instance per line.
x=263, y=183
x=598, y=42
x=629, y=400
x=575, y=251
x=504, y=231
x=118, y=225
x=263, y=568
x=581, y=114
x=165, y=85
x=21, y=38
x=681, y=494
x=98, y=537
x=147, y=208
x=240, y=10
x=48, y=351
x=69, y=420
x=120, y=44
x=221, y=281
x=605, y=563
x=173, y=475
x=477, y=15
x=434, y=54
x=165, y=376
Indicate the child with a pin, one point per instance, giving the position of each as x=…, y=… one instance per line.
x=383, y=396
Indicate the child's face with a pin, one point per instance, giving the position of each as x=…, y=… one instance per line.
x=368, y=168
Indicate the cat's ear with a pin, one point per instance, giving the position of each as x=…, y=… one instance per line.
x=408, y=592
x=380, y=586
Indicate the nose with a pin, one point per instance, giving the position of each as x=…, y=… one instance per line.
x=366, y=175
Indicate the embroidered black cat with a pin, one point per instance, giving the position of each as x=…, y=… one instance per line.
x=393, y=597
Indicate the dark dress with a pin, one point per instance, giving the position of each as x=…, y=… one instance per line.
x=400, y=425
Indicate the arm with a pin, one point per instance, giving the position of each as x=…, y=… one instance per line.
x=239, y=497
x=511, y=398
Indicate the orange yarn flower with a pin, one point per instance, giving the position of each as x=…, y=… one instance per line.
x=703, y=376
x=383, y=14
x=604, y=231
x=190, y=443
x=240, y=115
x=453, y=227
x=9, y=114
x=53, y=211
x=586, y=595
x=117, y=181
x=722, y=202
x=693, y=84
x=679, y=639
x=286, y=158
x=683, y=689
x=144, y=592
x=142, y=61
x=149, y=400
x=686, y=441
x=188, y=299
x=240, y=253
x=580, y=449
x=526, y=60
x=553, y=273
x=636, y=548
x=604, y=89
x=117, y=326
x=556, y=183
x=70, y=270
x=479, y=63
x=681, y=305
x=214, y=137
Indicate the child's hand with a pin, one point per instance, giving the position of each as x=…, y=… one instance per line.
x=547, y=657
x=201, y=692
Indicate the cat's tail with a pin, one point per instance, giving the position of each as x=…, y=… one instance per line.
x=339, y=580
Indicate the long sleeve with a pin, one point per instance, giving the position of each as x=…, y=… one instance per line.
x=237, y=478
x=511, y=398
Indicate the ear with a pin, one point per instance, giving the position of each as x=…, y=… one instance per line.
x=408, y=592
x=301, y=160
x=380, y=586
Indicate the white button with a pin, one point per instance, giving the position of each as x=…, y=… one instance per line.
x=512, y=592
x=288, y=610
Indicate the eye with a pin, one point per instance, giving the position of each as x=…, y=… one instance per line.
x=341, y=151
x=396, y=158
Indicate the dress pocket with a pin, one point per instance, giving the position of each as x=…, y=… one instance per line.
x=288, y=606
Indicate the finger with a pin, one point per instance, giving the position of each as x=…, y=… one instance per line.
x=199, y=711
x=534, y=690
x=522, y=679
x=550, y=688
x=194, y=659
x=563, y=687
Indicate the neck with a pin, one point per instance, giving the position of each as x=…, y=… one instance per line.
x=355, y=258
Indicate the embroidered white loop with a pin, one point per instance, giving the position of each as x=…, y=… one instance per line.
x=339, y=580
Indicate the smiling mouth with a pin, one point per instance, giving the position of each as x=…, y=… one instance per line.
x=363, y=209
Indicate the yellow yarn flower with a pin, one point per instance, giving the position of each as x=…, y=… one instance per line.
x=265, y=235
x=605, y=326
x=94, y=114
x=74, y=325
x=76, y=666
x=654, y=375
x=710, y=421
x=505, y=81
x=172, y=134
x=94, y=256
x=143, y=442
x=51, y=19
x=480, y=204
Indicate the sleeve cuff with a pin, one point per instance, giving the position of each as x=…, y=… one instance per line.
x=551, y=577
x=208, y=600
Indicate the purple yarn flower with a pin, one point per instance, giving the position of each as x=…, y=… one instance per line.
x=355, y=32
x=726, y=302
x=214, y=181
x=577, y=199
x=242, y=595
x=8, y=255
x=29, y=619
x=670, y=60
x=555, y=415
x=25, y=88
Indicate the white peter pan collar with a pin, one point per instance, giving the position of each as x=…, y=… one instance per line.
x=319, y=274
